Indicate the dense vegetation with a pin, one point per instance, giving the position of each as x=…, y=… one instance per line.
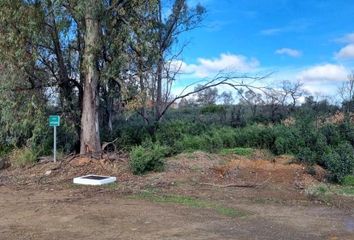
x=314, y=138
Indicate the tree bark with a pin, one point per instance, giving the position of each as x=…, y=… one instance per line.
x=90, y=135
x=158, y=103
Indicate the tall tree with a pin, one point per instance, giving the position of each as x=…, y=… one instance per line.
x=90, y=132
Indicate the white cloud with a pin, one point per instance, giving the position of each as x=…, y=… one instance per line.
x=224, y=63
x=271, y=31
x=297, y=25
x=180, y=67
x=348, y=38
x=346, y=53
x=289, y=51
x=324, y=72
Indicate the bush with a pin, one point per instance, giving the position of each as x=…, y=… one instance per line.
x=21, y=157
x=307, y=156
x=340, y=162
x=148, y=157
x=190, y=143
x=281, y=146
x=331, y=134
x=348, y=180
x=212, y=142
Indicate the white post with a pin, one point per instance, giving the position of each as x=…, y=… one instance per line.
x=55, y=144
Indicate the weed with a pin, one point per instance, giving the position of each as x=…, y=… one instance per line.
x=21, y=157
x=324, y=192
x=147, y=158
x=191, y=202
x=239, y=151
x=346, y=190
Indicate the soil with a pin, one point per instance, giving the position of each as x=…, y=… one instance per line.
x=40, y=201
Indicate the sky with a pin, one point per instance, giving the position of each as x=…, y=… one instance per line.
x=311, y=41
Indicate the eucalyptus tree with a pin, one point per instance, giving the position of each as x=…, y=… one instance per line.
x=62, y=45
x=182, y=18
x=155, y=51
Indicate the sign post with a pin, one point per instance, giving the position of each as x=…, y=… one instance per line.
x=54, y=121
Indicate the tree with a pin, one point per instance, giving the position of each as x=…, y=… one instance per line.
x=226, y=98
x=155, y=51
x=253, y=99
x=292, y=90
x=90, y=133
x=346, y=92
x=58, y=45
x=207, y=96
x=181, y=19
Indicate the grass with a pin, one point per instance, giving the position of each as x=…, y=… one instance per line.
x=21, y=157
x=239, y=151
x=323, y=191
x=348, y=180
x=190, y=202
x=346, y=190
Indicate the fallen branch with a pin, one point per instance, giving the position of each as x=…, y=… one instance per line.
x=106, y=144
x=230, y=185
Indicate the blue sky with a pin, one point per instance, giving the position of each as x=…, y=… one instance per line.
x=311, y=41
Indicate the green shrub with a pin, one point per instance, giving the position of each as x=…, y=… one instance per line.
x=347, y=132
x=212, y=108
x=307, y=156
x=331, y=133
x=281, y=146
x=148, y=157
x=227, y=135
x=21, y=157
x=340, y=162
x=190, y=143
x=348, y=180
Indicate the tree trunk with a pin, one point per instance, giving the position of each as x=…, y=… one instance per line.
x=90, y=135
x=158, y=91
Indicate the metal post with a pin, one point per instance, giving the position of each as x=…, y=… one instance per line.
x=55, y=144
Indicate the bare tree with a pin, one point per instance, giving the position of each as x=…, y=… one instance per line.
x=294, y=91
x=346, y=93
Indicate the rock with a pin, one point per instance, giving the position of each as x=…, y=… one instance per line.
x=2, y=163
x=48, y=172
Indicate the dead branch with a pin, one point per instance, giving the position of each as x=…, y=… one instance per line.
x=106, y=144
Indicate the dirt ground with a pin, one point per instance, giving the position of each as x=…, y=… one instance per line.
x=40, y=202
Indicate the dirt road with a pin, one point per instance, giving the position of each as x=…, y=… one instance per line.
x=88, y=213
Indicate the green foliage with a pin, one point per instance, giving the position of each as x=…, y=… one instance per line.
x=212, y=108
x=331, y=133
x=340, y=161
x=239, y=151
x=148, y=157
x=192, y=202
x=348, y=180
x=325, y=192
x=307, y=156
x=21, y=157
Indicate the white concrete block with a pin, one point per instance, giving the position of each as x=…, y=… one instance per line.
x=94, y=180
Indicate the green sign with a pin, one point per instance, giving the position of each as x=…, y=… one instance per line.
x=54, y=121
